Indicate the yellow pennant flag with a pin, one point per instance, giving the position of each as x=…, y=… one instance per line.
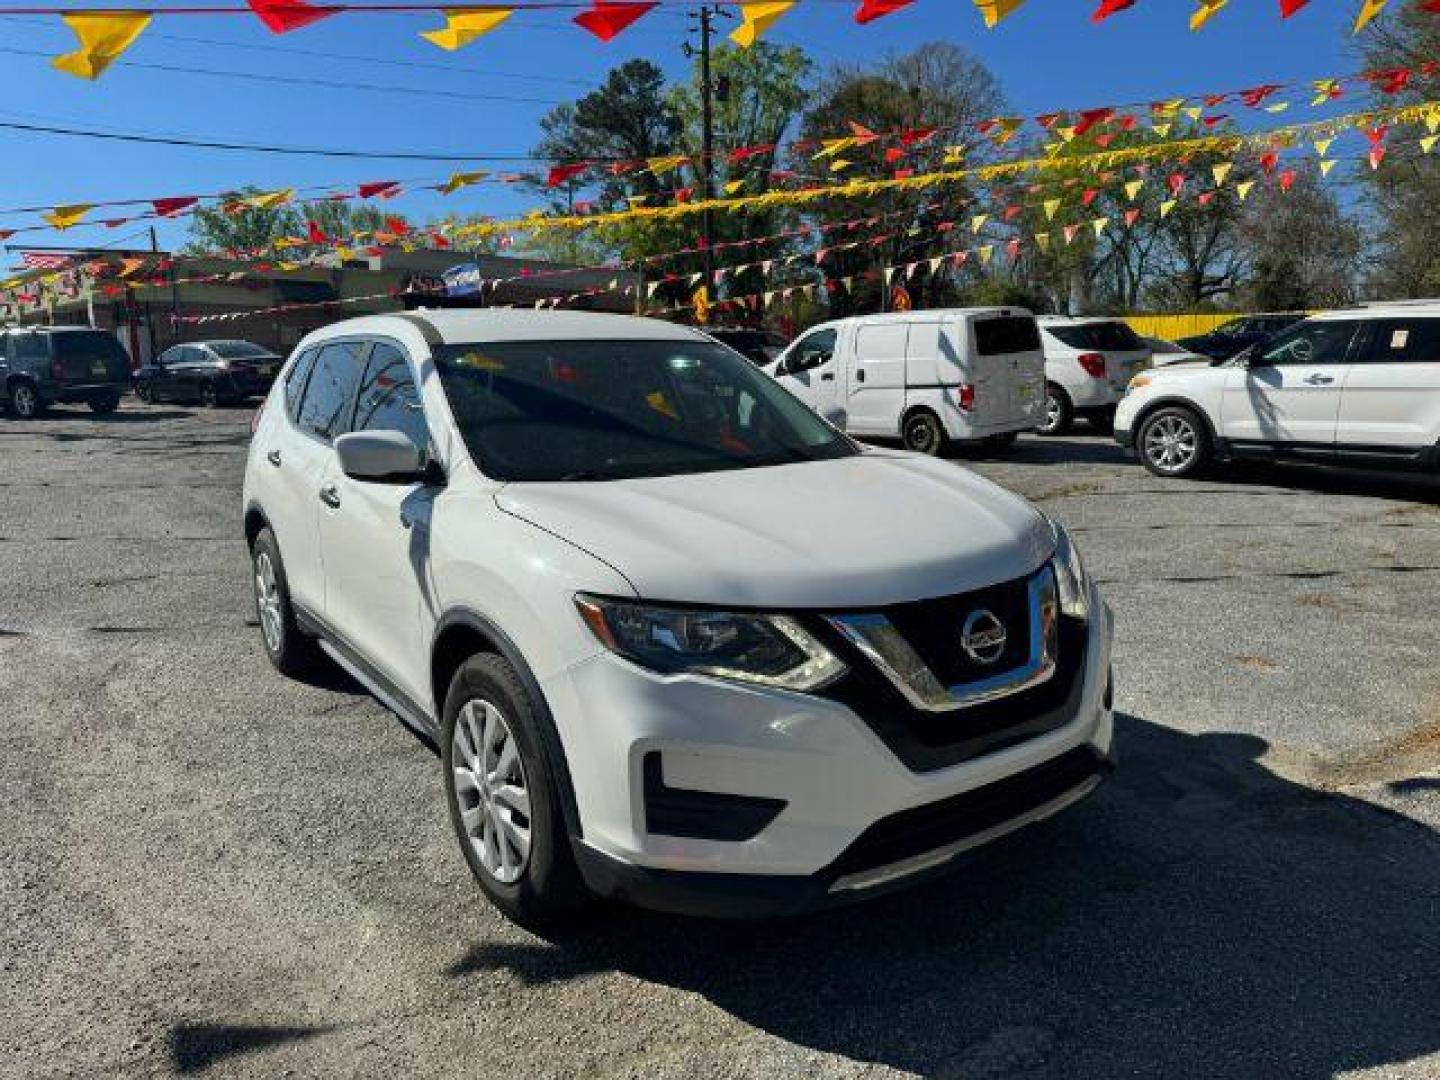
x=1205, y=12
x=1166, y=207
x=1243, y=188
x=732, y=186
x=831, y=147
x=1278, y=107
x=268, y=200
x=1194, y=112
x=1370, y=9
x=661, y=165
x=1133, y=188
x=1163, y=130
x=1325, y=90
x=985, y=252
x=1051, y=205
x=463, y=27
x=1326, y=166
x=1322, y=146
x=1167, y=108
x=840, y=164
x=63, y=217
x=756, y=18
x=1042, y=241
x=1221, y=171
x=1098, y=224
x=1432, y=120
x=1428, y=143
x=461, y=179
x=978, y=221
x=103, y=36
x=994, y=10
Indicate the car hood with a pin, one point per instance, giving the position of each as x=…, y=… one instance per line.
x=877, y=528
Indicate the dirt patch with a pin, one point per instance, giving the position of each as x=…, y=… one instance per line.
x=1069, y=491
x=1257, y=663
x=1325, y=602
x=1414, y=754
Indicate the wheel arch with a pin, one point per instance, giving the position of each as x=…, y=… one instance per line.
x=1169, y=401
x=255, y=521
x=462, y=633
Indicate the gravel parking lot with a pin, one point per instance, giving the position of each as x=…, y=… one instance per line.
x=208, y=868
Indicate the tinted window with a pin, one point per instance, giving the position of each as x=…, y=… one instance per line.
x=1310, y=343
x=98, y=345
x=325, y=410
x=602, y=410
x=237, y=350
x=1115, y=336
x=1406, y=341
x=29, y=347
x=295, y=380
x=1006, y=334
x=811, y=351
x=389, y=399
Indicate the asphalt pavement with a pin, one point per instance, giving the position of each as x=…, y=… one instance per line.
x=205, y=868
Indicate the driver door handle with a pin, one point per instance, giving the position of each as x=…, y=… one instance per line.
x=274, y=458
x=1319, y=380
x=330, y=496
x=829, y=376
x=859, y=374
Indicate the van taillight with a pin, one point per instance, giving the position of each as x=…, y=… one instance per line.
x=1093, y=363
x=965, y=397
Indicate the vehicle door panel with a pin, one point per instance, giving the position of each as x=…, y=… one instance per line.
x=878, y=377
x=809, y=371
x=1289, y=392
x=1391, y=397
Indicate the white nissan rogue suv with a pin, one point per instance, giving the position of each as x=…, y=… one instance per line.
x=679, y=641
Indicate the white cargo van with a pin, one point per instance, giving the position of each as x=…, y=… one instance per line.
x=926, y=377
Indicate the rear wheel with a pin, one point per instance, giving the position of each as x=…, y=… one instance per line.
x=289, y=650
x=503, y=797
x=1059, y=412
x=106, y=405
x=209, y=396
x=25, y=400
x=1173, y=441
x=923, y=433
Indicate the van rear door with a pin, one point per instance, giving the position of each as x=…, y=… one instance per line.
x=876, y=388
x=89, y=358
x=1009, y=368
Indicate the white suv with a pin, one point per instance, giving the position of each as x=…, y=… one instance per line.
x=679, y=641
x=1088, y=363
x=1359, y=386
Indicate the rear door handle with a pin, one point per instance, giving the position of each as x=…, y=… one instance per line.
x=860, y=375
x=274, y=458
x=829, y=376
x=1319, y=380
x=330, y=496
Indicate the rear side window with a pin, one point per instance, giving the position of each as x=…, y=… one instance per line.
x=389, y=399
x=29, y=347
x=1406, y=341
x=325, y=409
x=1105, y=336
x=1006, y=334
x=85, y=346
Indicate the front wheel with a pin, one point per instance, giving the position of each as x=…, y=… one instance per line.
x=923, y=433
x=1174, y=442
x=503, y=797
x=289, y=650
x=25, y=401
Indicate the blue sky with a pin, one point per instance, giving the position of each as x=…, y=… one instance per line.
x=1047, y=56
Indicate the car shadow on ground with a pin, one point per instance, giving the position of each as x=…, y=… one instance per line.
x=1334, y=480
x=1198, y=916
x=134, y=414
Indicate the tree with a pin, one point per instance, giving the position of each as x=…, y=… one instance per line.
x=1303, y=251
x=213, y=230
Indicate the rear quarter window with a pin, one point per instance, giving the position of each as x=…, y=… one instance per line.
x=1406, y=341
x=1102, y=337
x=1006, y=334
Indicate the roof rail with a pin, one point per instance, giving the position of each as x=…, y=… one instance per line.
x=1432, y=302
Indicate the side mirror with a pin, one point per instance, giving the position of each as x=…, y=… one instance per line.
x=385, y=456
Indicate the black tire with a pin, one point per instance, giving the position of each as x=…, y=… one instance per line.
x=1174, y=442
x=1059, y=412
x=289, y=650
x=923, y=433
x=144, y=393
x=209, y=395
x=25, y=402
x=105, y=406
x=1103, y=421
x=548, y=889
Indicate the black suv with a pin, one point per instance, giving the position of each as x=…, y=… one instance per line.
x=208, y=372
x=1232, y=337
x=50, y=365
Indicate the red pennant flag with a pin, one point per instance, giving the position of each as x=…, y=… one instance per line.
x=1175, y=182
x=5, y=234
x=1289, y=7
x=741, y=153
x=1090, y=117
x=1047, y=120
x=916, y=136
x=608, y=17
x=1089, y=196
x=316, y=236
x=1204, y=198
x=1131, y=216
x=379, y=187
x=1217, y=118
x=1211, y=100
x=1255, y=95
x=893, y=154
x=1268, y=161
x=560, y=173
x=1013, y=247
x=1110, y=7
x=282, y=16
x=870, y=10
x=904, y=174
x=171, y=207
x=1128, y=122
x=1105, y=138
x=1392, y=81
x=397, y=225
x=1376, y=155
x=439, y=240
x=1010, y=212
x=1287, y=178
x=1376, y=135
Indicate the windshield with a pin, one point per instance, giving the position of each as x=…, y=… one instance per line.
x=1102, y=336
x=237, y=350
x=609, y=410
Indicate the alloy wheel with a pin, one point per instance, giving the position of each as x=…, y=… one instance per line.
x=921, y=435
x=491, y=790
x=23, y=401
x=1171, y=444
x=1053, y=412
x=267, y=602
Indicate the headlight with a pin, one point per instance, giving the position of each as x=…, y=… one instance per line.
x=1138, y=382
x=772, y=650
x=1070, y=575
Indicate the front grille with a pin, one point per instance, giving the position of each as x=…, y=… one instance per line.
x=950, y=821
x=932, y=627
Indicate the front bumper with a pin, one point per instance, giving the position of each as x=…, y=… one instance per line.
x=820, y=810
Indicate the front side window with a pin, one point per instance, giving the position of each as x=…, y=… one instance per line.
x=1406, y=341
x=610, y=410
x=389, y=399
x=812, y=351
x=1325, y=342
x=325, y=409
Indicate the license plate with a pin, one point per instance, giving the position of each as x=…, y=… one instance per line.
x=97, y=367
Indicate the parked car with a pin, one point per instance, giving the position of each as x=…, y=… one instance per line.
x=931, y=378
x=679, y=641
x=42, y=366
x=1164, y=353
x=1231, y=337
x=208, y=372
x=758, y=346
x=1360, y=386
x=1088, y=363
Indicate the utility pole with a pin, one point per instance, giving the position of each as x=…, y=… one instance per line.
x=706, y=16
